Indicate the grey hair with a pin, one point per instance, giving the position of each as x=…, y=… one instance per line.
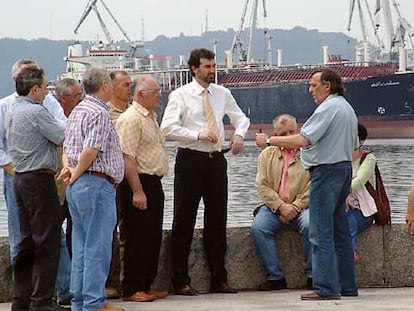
x=93, y=79
x=282, y=119
x=18, y=65
x=64, y=87
x=140, y=83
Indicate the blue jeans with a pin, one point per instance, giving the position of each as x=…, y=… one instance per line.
x=12, y=215
x=264, y=225
x=92, y=207
x=357, y=224
x=63, y=273
x=332, y=254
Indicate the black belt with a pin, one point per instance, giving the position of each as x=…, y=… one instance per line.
x=104, y=176
x=211, y=154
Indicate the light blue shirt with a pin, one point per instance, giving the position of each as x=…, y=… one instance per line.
x=332, y=131
x=50, y=103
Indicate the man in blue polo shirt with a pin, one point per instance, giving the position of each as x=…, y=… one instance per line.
x=327, y=140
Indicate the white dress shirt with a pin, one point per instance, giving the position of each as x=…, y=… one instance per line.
x=184, y=117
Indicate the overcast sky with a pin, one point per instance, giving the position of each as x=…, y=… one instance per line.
x=56, y=19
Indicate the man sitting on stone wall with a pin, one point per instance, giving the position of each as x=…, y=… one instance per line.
x=283, y=186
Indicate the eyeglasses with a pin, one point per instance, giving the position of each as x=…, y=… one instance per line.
x=157, y=91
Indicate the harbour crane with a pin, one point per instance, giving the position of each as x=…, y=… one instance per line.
x=364, y=31
x=403, y=30
x=92, y=5
x=238, y=50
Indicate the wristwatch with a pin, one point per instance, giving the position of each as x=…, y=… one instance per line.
x=268, y=141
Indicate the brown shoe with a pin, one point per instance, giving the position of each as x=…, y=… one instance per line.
x=65, y=301
x=111, y=293
x=109, y=307
x=316, y=296
x=158, y=294
x=140, y=297
x=222, y=288
x=186, y=290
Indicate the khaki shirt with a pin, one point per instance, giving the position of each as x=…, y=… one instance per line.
x=141, y=138
x=269, y=174
x=114, y=112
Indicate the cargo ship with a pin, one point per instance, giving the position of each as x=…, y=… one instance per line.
x=382, y=93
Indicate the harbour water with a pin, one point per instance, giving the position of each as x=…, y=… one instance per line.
x=395, y=159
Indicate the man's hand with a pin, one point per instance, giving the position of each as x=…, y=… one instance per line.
x=208, y=136
x=261, y=139
x=410, y=222
x=139, y=200
x=9, y=168
x=288, y=212
x=236, y=144
x=64, y=175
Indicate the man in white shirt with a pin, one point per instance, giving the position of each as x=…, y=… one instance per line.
x=194, y=118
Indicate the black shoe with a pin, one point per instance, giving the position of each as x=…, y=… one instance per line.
x=273, y=285
x=309, y=283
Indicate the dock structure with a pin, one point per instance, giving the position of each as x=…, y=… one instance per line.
x=387, y=262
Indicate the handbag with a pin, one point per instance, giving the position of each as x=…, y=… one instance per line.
x=383, y=216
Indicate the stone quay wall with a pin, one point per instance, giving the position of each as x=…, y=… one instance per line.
x=387, y=260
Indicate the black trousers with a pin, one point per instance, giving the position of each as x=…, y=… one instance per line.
x=142, y=234
x=199, y=176
x=38, y=254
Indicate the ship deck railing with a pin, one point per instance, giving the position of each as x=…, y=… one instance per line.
x=296, y=74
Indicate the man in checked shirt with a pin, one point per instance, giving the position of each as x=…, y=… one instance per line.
x=146, y=162
x=93, y=166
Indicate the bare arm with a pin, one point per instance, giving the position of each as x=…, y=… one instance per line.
x=291, y=141
x=85, y=160
x=410, y=211
x=139, y=199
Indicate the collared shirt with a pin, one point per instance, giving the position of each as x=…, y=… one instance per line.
x=50, y=103
x=114, y=112
x=287, y=155
x=89, y=126
x=332, y=131
x=184, y=115
x=269, y=175
x=141, y=138
x=32, y=134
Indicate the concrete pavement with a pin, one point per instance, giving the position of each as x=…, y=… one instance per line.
x=390, y=299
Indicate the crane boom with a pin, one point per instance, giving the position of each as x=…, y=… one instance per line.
x=116, y=21
x=85, y=14
x=237, y=47
x=351, y=13
x=362, y=22
x=104, y=28
x=237, y=42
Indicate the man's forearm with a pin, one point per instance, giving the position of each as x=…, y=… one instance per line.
x=85, y=160
x=291, y=141
x=131, y=174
